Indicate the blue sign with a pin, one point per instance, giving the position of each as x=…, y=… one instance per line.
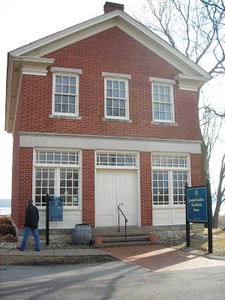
x=55, y=209
x=197, y=204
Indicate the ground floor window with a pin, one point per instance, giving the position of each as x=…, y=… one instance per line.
x=60, y=178
x=169, y=176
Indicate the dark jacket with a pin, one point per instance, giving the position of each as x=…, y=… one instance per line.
x=32, y=216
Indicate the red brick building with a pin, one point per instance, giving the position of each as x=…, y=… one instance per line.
x=104, y=113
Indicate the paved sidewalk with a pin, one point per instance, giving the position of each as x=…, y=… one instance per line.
x=158, y=258
x=155, y=258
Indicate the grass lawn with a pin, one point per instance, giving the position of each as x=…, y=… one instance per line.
x=200, y=242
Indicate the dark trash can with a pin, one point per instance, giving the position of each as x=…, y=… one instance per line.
x=82, y=234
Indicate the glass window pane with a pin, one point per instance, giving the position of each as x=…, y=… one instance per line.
x=58, y=79
x=72, y=109
x=65, y=99
x=115, y=84
x=71, y=99
x=72, y=90
x=115, y=112
x=122, y=85
x=64, y=108
x=109, y=84
x=73, y=81
x=109, y=112
x=122, y=112
x=65, y=89
x=65, y=80
x=58, y=88
x=122, y=103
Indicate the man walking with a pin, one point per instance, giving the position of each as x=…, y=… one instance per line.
x=31, y=225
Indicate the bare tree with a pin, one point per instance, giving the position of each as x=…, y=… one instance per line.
x=219, y=5
x=201, y=37
x=201, y=34
x=220, y=193
x=210, y=122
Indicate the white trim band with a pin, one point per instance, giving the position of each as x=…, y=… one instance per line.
x=35, y=140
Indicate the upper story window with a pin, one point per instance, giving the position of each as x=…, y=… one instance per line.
x=65, y=92
x=116, y=96
x=162, y=100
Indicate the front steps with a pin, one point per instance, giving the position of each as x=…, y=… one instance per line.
x=118, y=240
x=110, y=237
x=114, y=237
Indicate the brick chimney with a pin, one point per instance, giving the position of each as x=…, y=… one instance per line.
x=110, y=6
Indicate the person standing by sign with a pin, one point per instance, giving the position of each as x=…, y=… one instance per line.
x=31, y=225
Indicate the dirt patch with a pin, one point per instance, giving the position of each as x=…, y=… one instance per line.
x=55, y=260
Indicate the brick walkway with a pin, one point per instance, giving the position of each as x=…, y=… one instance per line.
x=159, y=259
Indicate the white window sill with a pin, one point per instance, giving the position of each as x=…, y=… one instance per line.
x=163, y=123
x=64, y=117
x=116, y=120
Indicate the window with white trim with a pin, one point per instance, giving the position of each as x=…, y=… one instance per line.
x=65, y=92
x=170, y=173
x=116, y=98
x=116, y=160
x=57, y=174
x=162, y=102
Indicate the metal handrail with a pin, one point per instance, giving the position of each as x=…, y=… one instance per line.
x=125, y=220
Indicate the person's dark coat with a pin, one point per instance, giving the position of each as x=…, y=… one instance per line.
x=32, y=216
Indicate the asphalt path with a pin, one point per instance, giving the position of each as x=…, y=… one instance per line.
x=111, y=280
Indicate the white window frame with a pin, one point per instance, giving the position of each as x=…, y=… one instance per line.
x=166, y=167
x=168, y=84
x=117, y=77
x=117, y=164
x=70, y=73
x=57, y=167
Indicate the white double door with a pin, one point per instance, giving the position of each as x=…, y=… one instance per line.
x=115, y=187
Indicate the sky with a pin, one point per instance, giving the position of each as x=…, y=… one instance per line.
x=24, y=21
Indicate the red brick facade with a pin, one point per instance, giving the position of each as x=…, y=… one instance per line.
x=93, y=57
x=88, y=184
x=145, y=187
x=112, y=51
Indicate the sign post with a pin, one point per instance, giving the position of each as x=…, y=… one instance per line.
x=47, y=221
x=188, y=237
x=54, y=212
x=210, y=239
x=199, y=210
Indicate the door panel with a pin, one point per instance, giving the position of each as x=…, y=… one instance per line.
x=114, y=187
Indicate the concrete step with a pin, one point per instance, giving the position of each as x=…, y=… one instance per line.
x=117, y=239
x=129, y=238
x=122, y=244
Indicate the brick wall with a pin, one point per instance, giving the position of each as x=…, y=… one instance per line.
x=109, y=51
x=88, y=187
x=146, y=189
x=196, y=170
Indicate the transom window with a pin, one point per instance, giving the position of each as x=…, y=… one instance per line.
x=65, y=91
x=57, y=174
x=170, y=175
x=116, y=160
x=169, y=161
x=163, y=102
x=50, y=157
x=116, y=97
